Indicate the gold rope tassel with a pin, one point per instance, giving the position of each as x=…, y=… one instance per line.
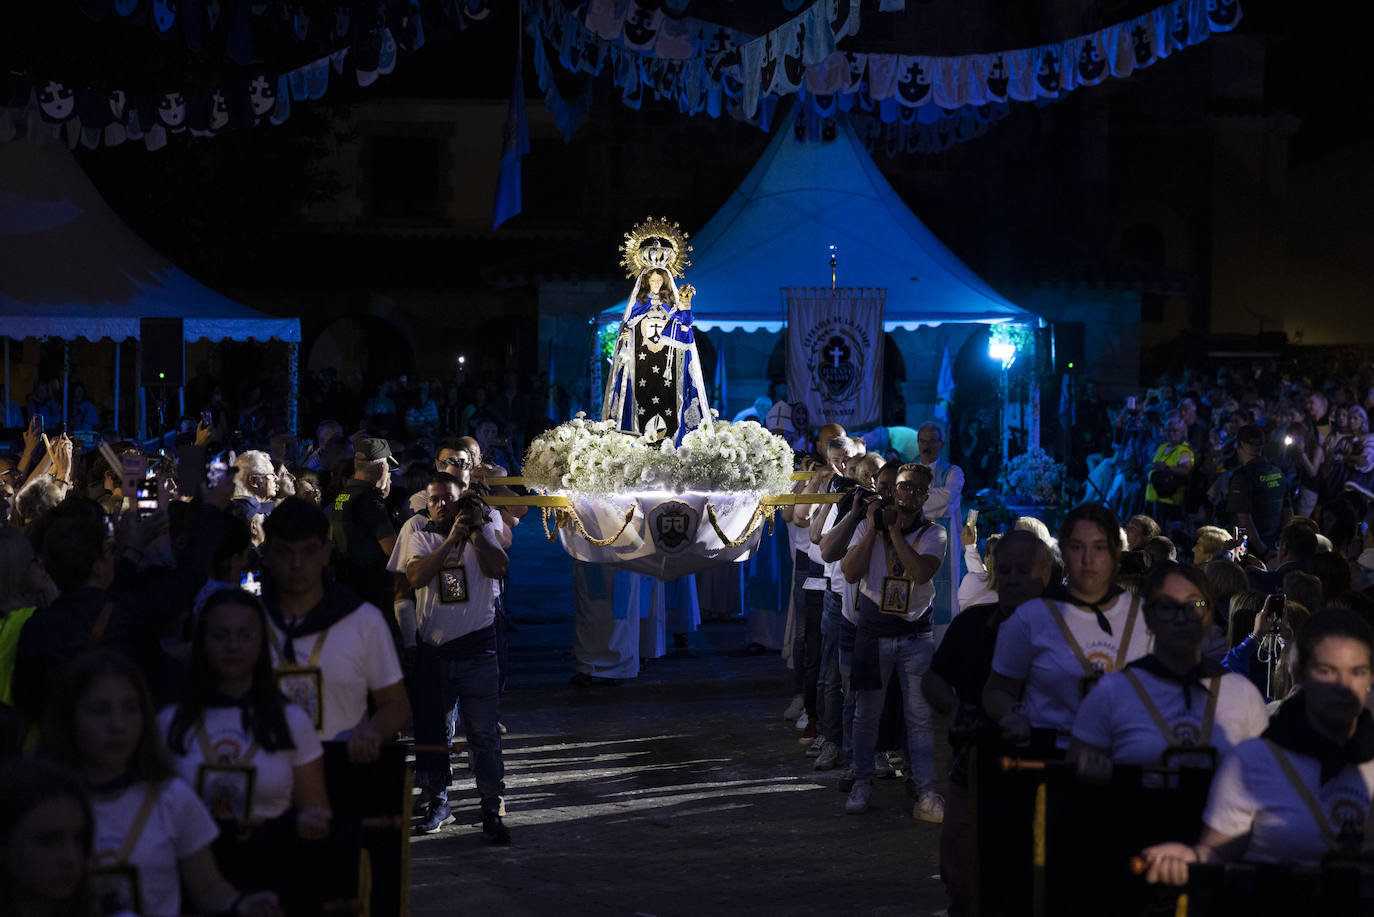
x=600, y=542
x=754, y=522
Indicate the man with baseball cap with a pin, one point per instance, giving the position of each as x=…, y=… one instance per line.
x=363, y=532
x=1258, y=494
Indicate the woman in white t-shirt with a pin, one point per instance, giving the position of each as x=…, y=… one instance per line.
x=234, y=721
x=1171, y=698
x=1303, y=789
x=1053, y=650
x=152, y=835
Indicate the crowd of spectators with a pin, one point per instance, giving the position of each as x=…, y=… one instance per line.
x=234, y=599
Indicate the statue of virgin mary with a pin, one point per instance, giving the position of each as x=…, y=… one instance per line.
x=655, y=387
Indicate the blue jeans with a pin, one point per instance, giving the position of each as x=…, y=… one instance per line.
x=439, y=684
x=830, y=690
x=908, y=658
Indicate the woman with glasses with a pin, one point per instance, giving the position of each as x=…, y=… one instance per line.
x=1171, y=697
x=1052, y=651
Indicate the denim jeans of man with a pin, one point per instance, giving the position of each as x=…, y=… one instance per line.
x=439, y=683
x=845, y=661
x=830, y=689
x=908, y=659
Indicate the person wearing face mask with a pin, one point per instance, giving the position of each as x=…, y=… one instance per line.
x=895, y=555
x=1052, y=651
x=1171, y=697
x=1302, y=790
x=954, y=687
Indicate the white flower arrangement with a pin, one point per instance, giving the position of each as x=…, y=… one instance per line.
x=592, y=456
x=1032, y=477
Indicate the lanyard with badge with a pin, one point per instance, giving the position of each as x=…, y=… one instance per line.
x=897, y=586
x=225, y=782
x=113, y=878
x=302, y=685
x=1354, y=839
x=1184, y=747
x=453, y=579
x=1091, y=673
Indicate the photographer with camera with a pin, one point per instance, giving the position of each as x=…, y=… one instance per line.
x=455, y=613
x=895, y=555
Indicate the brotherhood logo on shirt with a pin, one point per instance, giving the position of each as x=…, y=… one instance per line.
x=673, y=525
x=1187, y=734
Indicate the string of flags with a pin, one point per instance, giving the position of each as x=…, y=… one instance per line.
x=708, y=68
x=94, y=116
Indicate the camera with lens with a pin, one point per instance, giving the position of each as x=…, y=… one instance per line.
x=471, y=506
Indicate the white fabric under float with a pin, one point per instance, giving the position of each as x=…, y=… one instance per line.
x=667, y=534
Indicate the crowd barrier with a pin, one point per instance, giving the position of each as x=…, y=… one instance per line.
x=362, y=868
x=1044, y=842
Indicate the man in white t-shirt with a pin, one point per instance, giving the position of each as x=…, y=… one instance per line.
x=453, y=559
x=333, y=651
x=895, y=556
x=943, y=508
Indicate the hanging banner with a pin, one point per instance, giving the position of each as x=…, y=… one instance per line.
x=835, y=353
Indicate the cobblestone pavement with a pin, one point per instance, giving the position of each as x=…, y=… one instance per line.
x=681, y=792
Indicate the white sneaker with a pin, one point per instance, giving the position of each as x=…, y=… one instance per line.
x=817, y=744
x=803, y=721
x=794, y=709
x=930, y=807
x=829, y=758
x=858, y=797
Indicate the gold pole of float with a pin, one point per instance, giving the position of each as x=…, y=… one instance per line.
x=1038, y=851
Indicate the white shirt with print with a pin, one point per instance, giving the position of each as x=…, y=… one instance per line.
x=178, y=826
x=1251, y=795
x=927, y=541
x=1113, y=716
x=1031, y=648
x=438, y=622
x=275, y=778
x=358, y=657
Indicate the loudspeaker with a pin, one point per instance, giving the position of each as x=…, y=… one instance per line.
x=164, y=351
x=1067, y=347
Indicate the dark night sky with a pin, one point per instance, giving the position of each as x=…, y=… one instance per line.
x=216, y=205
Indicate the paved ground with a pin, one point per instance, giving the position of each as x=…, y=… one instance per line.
x=681, y=792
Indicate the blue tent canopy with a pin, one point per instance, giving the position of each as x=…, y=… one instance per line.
x=777, y=227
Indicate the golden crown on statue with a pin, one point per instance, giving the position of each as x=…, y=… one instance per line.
x=655, y=243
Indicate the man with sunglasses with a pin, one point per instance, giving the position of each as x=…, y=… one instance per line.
x=895, y=555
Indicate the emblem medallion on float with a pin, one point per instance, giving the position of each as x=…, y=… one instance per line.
x=673, y=525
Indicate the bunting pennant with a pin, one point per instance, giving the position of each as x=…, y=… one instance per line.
x=707, y=67
x=366, y=38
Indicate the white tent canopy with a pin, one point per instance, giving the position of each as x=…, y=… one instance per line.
x=70, y=268
x=777, y=227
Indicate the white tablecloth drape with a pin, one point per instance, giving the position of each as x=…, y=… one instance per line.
x=669, y=534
